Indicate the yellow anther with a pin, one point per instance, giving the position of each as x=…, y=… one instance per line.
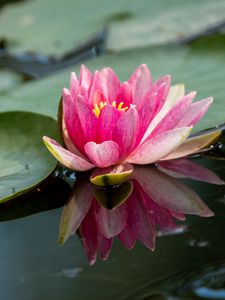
x=96, y=110
x=98, y=107
x=120, y=105
x=102, y=104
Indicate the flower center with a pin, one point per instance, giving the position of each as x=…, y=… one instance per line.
x=99, y=106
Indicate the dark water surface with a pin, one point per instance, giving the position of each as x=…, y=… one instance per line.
x=187, y=264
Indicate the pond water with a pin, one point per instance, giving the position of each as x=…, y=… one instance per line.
x=188, y=262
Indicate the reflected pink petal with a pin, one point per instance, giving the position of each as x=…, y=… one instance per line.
x=189, y=169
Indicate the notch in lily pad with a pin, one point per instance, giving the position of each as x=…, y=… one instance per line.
x=110, y=176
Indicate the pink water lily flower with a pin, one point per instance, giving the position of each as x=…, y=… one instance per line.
x=105, y=122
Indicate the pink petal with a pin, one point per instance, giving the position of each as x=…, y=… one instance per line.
x=107, y=121
x=104, y=246
x=125, y=94
x=140, y=83
x=85, y=77
x=93, y=89
x=81, y=121
x=75, y=210
x=189, y=169
x=127, y=236
x=103, y=155
x=195, y=112
x=159, y=146
x=174, y=115
x=74, y=85
x=141, y=224
x=169, y=192
x=88, y=231
x=176, y=92
x=146, y=112
x=111, y=222
x=193, y=145
x=67, y=158
x=162, y=87
x=67, y=140
x=125, y=131
x=109, y=84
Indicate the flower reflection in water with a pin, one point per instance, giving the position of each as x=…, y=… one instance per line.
x=151, y=201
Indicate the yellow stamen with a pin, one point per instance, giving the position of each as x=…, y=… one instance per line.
x=102, y=104
x=120, y=105
x=96, y=110
x=114, y=103
x=98, y=107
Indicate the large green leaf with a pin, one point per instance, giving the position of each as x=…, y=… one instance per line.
x=200, y=66
x=54, y=27
x=24, y=160
x=165, y=23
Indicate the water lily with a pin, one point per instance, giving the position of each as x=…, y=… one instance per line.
x=107, y=123
x=136, y=210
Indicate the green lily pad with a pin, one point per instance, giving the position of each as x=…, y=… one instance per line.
x=24, y=160
x=66, y=25
x=9, y=80
x=180, y=21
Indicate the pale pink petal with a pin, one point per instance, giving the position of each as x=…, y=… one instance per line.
x=85, y=77
x=189, y=169
x=107, y=121
x=75, y=210
x=140, y=83
x=67, y=158
x=169, y=192
x=193, y=145
x=125, y=131
x=174, y=115
x=103, y=155
x=146, y=112
x=176, y=92
x=195, y=112
x=162, y=87
x=159, y=146
x=159, y=216
x=111, y=222
x=109, y=84
x=74, y=85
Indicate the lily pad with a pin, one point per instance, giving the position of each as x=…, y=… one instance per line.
x=181, y=21
x=24, y=160
x=131, y=24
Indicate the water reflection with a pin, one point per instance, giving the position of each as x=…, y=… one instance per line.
x=150, y=203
